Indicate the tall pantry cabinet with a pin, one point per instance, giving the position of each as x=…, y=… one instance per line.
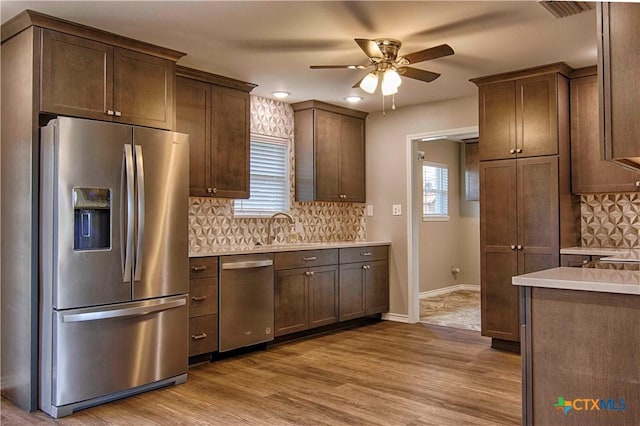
x=527, y=211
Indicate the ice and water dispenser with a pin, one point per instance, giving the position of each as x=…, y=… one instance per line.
x=92, y=218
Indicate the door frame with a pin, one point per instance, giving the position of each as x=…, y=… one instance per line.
x=413, y=216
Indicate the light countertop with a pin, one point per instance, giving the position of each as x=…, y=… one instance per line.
x=593, y=251
x=585, y=279
x=229, y=250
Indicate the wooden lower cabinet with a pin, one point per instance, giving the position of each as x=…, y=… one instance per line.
x=364, y=286
x=519, y=233
x=203, y=305
x=305, y=298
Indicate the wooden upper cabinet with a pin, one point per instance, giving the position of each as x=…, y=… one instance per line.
x=214, y=111
x=193, y=116
x=76, y=76
x=143, y=89
x=537, y=116
x=85, y=78
x=519, y=112
x=230, y=144
x=497, y=120
x=619, y=81
x=330, y=153
x=589, y=172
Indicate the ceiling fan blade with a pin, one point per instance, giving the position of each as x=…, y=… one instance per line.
x=370, y=48
x=418, y=74
x=331, y=67
x=431, y=53
x=355, y=86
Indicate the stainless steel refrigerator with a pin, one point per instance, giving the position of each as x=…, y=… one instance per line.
x=114, y=262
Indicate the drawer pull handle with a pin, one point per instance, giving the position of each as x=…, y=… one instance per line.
x=199, y=336
x=198, y=298
x=199, y=268
x=366, y=253
x=308, y=259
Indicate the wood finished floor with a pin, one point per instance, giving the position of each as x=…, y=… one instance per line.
x=381, y=374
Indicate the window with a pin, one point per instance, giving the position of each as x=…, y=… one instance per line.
x=269, y=171
x=435, y=191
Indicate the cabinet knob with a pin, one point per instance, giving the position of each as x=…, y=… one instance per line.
x=118, y=114
x=209, y=190
x=309, y=273
x=110, y=112
x=513, y=246
x=519, y=247
x=215, y=190
x=512, y=151
x=199, y=298
x=638, y=184
x=519, y=150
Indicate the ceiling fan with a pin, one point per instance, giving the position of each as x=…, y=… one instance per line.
x=383, y=57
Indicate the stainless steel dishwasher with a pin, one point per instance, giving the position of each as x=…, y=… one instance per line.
x=246, y=300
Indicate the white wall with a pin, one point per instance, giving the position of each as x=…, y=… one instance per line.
x=387, y=176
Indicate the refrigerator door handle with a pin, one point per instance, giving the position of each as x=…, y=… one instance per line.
x=137, y=275
x=126, y=249
x=124, y=312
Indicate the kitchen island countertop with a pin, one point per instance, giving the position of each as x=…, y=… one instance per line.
x=585, y=279
x=272, y=248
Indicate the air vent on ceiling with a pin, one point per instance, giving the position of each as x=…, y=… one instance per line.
x=562, y=9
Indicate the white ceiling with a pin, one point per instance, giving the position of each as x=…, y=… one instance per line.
x=272, y=44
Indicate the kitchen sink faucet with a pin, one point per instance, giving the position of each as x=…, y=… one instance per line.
x=270, y=239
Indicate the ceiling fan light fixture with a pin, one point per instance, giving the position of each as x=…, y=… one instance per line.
x=390, y=82
x=280, y=94
x=369, y=82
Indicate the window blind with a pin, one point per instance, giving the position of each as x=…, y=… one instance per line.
x=435, y=184
x=269, y=174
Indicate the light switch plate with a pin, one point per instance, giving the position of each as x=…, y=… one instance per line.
x=397, y=210
x=369, y=209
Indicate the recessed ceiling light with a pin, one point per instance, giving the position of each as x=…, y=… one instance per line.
x=280, y=94
x=353, y=99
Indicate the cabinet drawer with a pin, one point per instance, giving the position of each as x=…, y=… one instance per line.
x=363, y=254
x=305, y=258
x=201, y=267
x=203, y=334
x=203, y=296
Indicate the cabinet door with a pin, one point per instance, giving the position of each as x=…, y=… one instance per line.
x=498, y=255
x=352, y=291
x=291, y=295
x=76, y=76
x=618, y=67
x=471, y=175
x=497, y=120
x=143, y=89
x=589, y=172
x=537, y=116
x=377, y=287
x=352, y=160
x=230, y=143
x=323, y=296
x=327, y=161
x=193, y=116
x=538, y=214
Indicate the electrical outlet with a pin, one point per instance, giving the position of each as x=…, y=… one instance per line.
x=298, y=227
x=397, y=210
x=369, y=209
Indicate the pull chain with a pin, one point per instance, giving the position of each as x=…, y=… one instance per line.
x=383, y=112
x=393, y=101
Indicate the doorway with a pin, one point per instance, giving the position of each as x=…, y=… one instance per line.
x=444, y=243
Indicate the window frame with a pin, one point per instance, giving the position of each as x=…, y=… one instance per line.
x=440, y=216
x=238, y=211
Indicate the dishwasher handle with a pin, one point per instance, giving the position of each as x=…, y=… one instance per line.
x=247, y=264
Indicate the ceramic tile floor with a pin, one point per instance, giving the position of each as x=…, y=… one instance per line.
x=459, y=309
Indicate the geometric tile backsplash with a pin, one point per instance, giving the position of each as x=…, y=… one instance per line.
x=211, y=221
x=610, y=220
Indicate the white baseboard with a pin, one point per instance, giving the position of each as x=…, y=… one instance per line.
x=451, y=289
x=395, y=317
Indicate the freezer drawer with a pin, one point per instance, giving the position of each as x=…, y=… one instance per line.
x=100, y=351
